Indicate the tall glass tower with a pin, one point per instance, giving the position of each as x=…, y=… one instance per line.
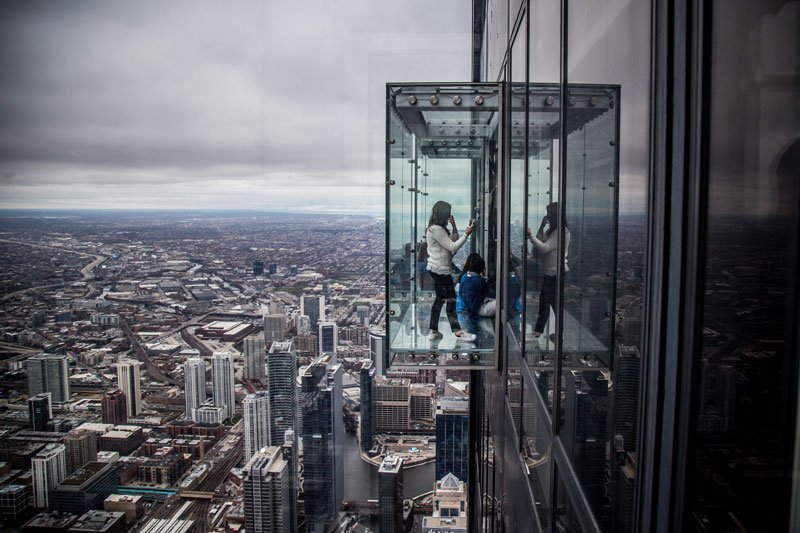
x=322, y=431
x=49, y=373
x=222, y=383
x=282, y=365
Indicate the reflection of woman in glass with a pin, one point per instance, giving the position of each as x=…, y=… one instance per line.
x=442, y=244
x=546, y=244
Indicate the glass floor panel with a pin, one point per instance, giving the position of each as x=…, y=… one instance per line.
x=410, y=333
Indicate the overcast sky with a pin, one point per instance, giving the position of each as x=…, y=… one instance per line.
x=200, y=104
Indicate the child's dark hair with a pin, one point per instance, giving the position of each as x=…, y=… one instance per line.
x=474, y=263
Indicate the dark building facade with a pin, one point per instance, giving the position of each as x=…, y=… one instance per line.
x=40, y=411
x=390, y=494
x=114, y=407
x=366, y=382
x=85, y=489
x=452, y=437
x=641, y=377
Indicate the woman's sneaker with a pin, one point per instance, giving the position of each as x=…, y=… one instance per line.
x=466, y=337
x=434, y=336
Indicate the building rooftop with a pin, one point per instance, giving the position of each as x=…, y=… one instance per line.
x=123, y=498
x=55, y=521
x=85, y=474
x=391, y=464
x=98, y=521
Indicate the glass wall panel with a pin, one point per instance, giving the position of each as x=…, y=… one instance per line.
x=742, y=458
x=440, y=151
x=535, y=448
x=567, y=516
x=604, y=181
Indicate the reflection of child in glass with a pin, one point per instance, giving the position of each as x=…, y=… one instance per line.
x=442, y=244
x=474, y=296
x=546, y=244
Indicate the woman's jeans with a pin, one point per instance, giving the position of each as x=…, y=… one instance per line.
x=547, y=300
x=445, y=294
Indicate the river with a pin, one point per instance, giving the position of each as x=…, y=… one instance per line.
x=361, y=478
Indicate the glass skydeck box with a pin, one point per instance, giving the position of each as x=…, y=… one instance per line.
x=492, y=152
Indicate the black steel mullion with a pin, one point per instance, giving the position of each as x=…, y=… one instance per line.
x=562, y=92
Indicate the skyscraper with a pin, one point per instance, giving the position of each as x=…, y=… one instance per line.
x=282, y=364
x=274, y=327
x=328, y=337
x=390, y=494
x=194, y=378
x=40, y=411
x=81, y=448
x=391, y=404
x=449, y=507
x=49, y=468
x=254, y=356
x=114, y=407
x=222, y=382
x=129, y=380
x=367, y=382
x=49, y=373
x=376, y=341
x=255, y=411
x=322, y=431
x=258, y=268
x=363, y=312
x=452, y=437
x=268, y=493
x=314, y=308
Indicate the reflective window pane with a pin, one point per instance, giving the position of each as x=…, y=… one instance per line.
x=742, y=454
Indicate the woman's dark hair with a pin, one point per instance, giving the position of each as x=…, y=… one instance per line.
x=474, y=263
x=552, y=218
x=440, y=214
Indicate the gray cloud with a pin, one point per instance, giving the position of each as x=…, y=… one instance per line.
x=205, y=104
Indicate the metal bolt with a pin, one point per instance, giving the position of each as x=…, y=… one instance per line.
x=457, y=100
x=392, y=312
x=412, y=100
x=573, y=100
x=392, y=141
x=391, y=182
x=550, y=100
x=593, y=101
x=434, y=99
x=479, y=100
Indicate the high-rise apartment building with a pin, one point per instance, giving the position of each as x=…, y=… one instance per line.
x=282, y=365
x=322, y=431
x=274, y=328
x=255, y=412
x=49, y=468
x=268, y=496
x=390, y=494
x=367, y=385
x=40, y=411
x=222, y=383
x=613, y=156
x=391, y=404
x=328, y=337
x=130, y=382
x=254, y=351
x=114, y=407
x=194, y=385
x=452, y=437
x=80, y=448
x=258, y=268
x=314, y=308
x=49, y=373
